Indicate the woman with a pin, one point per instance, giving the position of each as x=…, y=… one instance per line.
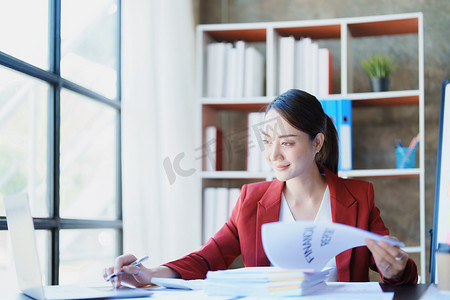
x=300, y=143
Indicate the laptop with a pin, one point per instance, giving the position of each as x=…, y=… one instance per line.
x=28, y=271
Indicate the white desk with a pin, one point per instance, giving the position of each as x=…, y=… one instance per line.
x=366, y=291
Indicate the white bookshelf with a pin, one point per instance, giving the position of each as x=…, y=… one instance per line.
x=345, y=31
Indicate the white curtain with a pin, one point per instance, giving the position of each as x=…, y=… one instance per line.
x=161, y=204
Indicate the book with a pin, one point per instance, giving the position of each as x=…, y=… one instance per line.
x=254, y=73
x=221, y=213
x=256, y=161
x=253, y=148
x=212, y=149
x=216, y=69
x=307, y=64
x=209, y=212
x=264, y=165
x=286, y=64
x=233, y=196
x=300, y=61
x=240, y=68
x=231, y=87
x=313, y=86
x=324, y=72
x=210, y=69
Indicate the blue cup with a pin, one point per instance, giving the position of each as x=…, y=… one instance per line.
x=405, y=158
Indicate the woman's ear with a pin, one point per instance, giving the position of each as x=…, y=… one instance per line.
x=318, y=141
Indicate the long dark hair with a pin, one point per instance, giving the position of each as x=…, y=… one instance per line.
x=304, y=112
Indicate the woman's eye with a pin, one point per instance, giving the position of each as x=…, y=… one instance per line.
x=287, y=143
x=265, y=142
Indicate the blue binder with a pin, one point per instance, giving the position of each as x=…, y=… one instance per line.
x=322, y=102
x=340, y=111
x=344, y=128
x=331, y=109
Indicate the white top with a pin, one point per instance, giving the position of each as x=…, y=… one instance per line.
x=323, y=216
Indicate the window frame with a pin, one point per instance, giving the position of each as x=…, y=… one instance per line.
x=54, y=223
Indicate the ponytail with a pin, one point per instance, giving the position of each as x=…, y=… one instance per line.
x=329, y=153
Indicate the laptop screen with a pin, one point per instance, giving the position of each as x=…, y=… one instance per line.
x=21, y=230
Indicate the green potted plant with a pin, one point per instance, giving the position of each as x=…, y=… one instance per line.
x=379, y=68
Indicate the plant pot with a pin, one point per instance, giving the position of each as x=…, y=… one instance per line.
x=379, y=84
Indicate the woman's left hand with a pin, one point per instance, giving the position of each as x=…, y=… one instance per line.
x=391, y=260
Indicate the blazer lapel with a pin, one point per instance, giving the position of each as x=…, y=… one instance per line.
x=268, y=211
x=344, y=209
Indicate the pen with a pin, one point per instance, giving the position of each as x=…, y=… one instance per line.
x=411, y=147
x=134, y=263
x=414, y=142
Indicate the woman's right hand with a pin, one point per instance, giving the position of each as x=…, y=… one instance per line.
x=137, y=276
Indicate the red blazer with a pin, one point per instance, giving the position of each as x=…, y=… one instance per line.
x=352, y=203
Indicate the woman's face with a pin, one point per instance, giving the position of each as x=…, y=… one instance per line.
x=288, y=150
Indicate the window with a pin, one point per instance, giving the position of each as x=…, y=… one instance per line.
x=60, y=133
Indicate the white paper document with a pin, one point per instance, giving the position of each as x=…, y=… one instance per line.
x=309, y=245
x=176, y=283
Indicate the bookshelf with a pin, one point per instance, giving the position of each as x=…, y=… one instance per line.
x=342, y=34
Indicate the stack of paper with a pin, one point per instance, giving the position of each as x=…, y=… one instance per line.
x=264, y=281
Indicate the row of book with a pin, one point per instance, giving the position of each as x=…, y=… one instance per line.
x=213, y=146
x=218, y=204
x=234, y=70
x=305, y=66
x=238, y=70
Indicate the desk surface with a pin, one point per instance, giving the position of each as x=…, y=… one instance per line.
x=408, y=292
